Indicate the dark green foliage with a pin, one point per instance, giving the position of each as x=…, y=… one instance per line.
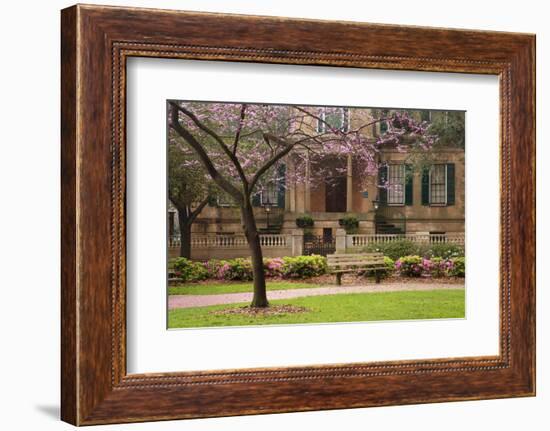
x=394, y=249
x=448, y=126
x=304, y=221
x=350, y=224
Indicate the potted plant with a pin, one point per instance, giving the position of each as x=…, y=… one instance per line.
x=349, y=223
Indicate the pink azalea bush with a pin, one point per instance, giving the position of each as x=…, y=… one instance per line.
x=416, y=266
x=410, y=266
x=240, y=269
x=296, y=267
x=274, y=267
x=235, y=269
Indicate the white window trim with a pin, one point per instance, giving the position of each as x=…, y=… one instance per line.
x=272, y=204
x=402, y=203
x=222, y=204
x=439, y=204
x=322, y=127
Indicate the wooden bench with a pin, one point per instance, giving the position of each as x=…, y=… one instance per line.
x=340, y=263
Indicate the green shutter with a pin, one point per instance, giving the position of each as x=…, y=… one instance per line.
x=408, y=185
x=281, y=186
x=382, y=178
x=256, y=202
x=425, y=186
x=384, y=124
x=450, y=183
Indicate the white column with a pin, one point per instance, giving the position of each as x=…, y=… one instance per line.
x=291, y=185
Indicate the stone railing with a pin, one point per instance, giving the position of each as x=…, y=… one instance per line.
x=358, y=240
x=229, y=246
x=230, y=241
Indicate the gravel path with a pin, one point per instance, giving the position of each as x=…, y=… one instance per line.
x=188, y=301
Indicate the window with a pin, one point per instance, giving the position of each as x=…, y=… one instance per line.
x=438, y=185
x=396, y=184
x=337, y=118
x=225, y=200
x=268, y=197
x=426, y=115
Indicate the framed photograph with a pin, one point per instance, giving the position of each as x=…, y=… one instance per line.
x=267, y=215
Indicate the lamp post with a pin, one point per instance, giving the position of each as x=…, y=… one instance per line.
x=376, y=205
x=267, y=209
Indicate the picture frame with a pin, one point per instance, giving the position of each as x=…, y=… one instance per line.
x=96, y=41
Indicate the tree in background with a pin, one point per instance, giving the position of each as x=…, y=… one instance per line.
x=449, y=127
x=189, y=189
x=241, y=148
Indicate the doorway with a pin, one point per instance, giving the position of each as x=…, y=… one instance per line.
x=336, y=195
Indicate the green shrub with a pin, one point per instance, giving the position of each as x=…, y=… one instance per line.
x=389, y=263
x=187, y=270
x=304, y=221
x=394, y=249
x=235, y=269
x=304, y=266
x=458, y=267
x=350, y=224
x=443, y=250
x=410, y=266
x=405, y=247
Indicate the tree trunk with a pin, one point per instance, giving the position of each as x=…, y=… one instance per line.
x=185, y=233
x=251, y=232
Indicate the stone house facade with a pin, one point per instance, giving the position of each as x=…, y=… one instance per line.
x=427, y=200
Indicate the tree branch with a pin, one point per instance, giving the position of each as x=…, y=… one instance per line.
x=216, y=137
x=238, y=134
x=194, y=214
x=278, y=156
x=208, y=165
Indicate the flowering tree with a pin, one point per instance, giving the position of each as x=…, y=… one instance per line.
x=188, y=190
x=241, y=147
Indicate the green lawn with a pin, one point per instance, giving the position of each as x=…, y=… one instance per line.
x=353, y=307
x=216, y=288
